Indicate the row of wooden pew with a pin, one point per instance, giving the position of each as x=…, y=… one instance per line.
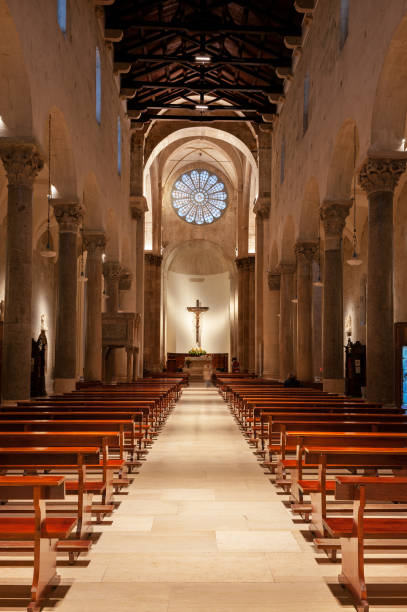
x=342, y=461
x=85, y=444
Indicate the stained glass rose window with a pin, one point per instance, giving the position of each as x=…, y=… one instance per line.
x=199, y=197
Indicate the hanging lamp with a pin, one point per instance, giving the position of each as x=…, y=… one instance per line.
x=48, y=252
x=354, y=260
x=318, y=282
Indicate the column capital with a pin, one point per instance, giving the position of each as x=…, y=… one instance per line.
x=285, y=268
x=138, y=206
x=333, y=215
x=22, y=162
x=381, y=174
x=263, y=206
x=305, y=250
x=94, y=242
x=112, y=270
x=273, y=280
x=125, y=280
x=153, y=259
x=245, y=262
x=68, y=215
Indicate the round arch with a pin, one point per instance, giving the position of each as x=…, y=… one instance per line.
x=342, y=165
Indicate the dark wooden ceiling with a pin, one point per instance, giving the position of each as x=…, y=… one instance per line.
x=244, y=39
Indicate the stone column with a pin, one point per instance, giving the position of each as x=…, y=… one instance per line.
x=112, y=272
x=286, y=340
x=333, y=215
x=94, y=243
x=22, y=163
x=271, y=327
x=69, y=217
x=305, y=252
x=152, y=304
x=379, y=178
x=138, y=207
x=246, y=302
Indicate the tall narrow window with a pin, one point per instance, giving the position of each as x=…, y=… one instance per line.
x=343, y=22
x=305, y=115
x=62, y=16
x=98, y=87
x=119, y=145
x=282, y=162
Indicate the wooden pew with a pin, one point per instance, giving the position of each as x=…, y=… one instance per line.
x=41, y=531
x=353, y=532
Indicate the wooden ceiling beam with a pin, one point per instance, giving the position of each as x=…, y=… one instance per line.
x=201, y=87
x=203, y=28
x=215, y=61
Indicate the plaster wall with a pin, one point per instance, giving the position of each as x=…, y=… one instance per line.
x=212, y=290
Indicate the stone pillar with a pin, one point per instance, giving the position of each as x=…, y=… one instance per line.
x=271, y=317
x=246, y=312
x=152, y=305
x=333, y=215
x=286, y=339
x=138, y=208
x=69, y=217
x=305, y=252
x=22, y=163
x=94, y=243
x=379, y=177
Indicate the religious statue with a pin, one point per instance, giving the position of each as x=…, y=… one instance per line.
x=197, y=310
x=348, y=325
x=39, y=360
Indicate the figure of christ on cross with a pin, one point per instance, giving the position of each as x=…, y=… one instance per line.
x=197, y=310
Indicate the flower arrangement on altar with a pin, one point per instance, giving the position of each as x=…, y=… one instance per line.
x=196, y=352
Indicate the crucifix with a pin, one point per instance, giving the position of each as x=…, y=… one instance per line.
x=197, y=310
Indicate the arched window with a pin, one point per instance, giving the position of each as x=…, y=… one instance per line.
x=119, y=145
x=343, y=22
x=305, y=115
x=199, y=197
x=98, y=87
x=282, y=161
x=62, y=15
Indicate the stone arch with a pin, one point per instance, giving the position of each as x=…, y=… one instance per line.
x=342, y=165
x=112, y=236
x=287, y=242
x=63, y=171
x=15, y=93
x=199, y=246
x=309, y=215
x=93, y=218
x=389, y=109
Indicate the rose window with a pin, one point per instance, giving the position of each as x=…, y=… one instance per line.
x=199, y=197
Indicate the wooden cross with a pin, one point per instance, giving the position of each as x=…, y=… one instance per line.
x=197, y=310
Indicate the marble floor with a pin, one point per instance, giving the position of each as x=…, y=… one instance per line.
x=202, y=529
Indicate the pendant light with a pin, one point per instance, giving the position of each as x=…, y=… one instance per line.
x=318, y=282
x=82, y=276
x=354, y=260
x=48, y=252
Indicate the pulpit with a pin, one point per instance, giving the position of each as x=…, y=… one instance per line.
x=120, y=330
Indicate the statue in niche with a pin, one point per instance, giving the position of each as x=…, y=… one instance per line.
x=39, y=361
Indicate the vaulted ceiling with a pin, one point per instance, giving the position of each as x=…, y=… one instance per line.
x=228, y=56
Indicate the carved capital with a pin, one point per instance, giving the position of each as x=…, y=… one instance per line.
x=94, y=242
x=263, y=206
x=243, y=263
x=112, y=270
x=381, y=174
x=68, y=215
x=273, y=279
x=153, y=260
x=138, y=206
x=305, y=251
x=22, y=162
x=333, y=215
x=286, y=268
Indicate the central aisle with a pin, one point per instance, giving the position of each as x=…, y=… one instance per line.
x=202, y=529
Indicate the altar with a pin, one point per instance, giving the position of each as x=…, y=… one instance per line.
x=194, y=366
